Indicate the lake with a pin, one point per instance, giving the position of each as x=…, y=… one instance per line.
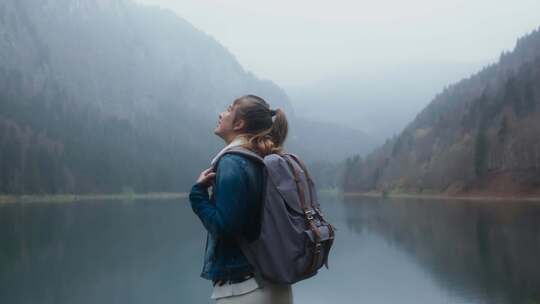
x=386, y=251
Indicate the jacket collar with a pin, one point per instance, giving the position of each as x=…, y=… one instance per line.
x=237, y=141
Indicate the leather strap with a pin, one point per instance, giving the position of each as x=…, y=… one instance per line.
x=298, y=184
x=310, y=181
x=303, y=166
x=300, y=163
x=309, y=217
x=330, y=227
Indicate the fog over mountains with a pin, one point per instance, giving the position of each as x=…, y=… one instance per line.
x=380, y=102
x=109, y=95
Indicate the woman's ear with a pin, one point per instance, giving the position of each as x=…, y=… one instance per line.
x=239, y=125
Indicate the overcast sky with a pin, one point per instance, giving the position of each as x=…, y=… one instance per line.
x=297, y=42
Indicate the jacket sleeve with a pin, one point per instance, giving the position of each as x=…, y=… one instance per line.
x=227, y=215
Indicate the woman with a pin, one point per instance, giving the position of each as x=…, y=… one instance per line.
x=234, y=208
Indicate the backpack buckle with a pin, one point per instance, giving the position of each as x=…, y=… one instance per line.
x=310, y=213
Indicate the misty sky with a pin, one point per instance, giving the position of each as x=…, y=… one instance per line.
x=303, y=41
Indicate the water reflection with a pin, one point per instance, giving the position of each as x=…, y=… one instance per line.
x=385, y=252
x=100, y=252
x=483, y=252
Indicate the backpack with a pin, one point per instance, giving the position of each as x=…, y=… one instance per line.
x=295, y=239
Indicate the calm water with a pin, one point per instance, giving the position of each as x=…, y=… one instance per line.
x=386, y=252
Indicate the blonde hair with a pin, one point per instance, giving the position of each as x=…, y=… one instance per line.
x=265, y=136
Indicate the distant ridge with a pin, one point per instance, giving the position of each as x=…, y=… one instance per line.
x=480, y=135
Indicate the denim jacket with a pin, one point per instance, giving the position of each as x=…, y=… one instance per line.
x=232, y=211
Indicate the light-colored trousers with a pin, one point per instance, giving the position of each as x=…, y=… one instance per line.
x=268, y=294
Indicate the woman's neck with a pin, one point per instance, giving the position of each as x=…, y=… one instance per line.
x=236, y=137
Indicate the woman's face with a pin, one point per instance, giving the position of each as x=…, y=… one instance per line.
x=226, y=129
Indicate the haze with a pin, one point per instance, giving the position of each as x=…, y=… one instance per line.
x=368, y=65
x=301, y=42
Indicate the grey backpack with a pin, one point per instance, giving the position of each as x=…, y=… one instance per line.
x=295, y=239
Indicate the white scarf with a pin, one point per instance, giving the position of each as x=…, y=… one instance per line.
x=237, y=141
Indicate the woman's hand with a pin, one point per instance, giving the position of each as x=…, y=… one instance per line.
x=207, y=177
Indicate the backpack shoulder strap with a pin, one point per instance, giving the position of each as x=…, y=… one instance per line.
x=242, y=151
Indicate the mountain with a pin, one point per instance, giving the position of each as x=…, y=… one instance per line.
x=479, y=136
x=110, y=95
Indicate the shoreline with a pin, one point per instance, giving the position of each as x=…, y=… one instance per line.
x=444, y=197
x=69, y=198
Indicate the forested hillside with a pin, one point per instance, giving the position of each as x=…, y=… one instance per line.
x=109, y=95
x=480, y=135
